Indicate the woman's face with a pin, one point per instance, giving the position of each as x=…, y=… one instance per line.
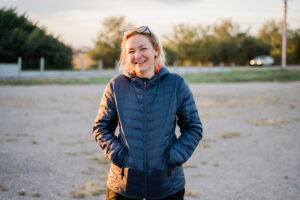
x=140, y=55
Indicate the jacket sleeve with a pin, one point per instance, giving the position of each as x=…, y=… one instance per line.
x=105, y=126
x=190, y=127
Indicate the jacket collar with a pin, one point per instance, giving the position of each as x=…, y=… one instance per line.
x=140, y=81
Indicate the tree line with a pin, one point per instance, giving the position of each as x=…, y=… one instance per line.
x=21, y=37
x=225, y=43
x=220, y=43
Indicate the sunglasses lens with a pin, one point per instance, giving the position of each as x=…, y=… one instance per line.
x=142, y=29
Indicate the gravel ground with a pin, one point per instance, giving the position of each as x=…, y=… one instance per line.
x=250, y=148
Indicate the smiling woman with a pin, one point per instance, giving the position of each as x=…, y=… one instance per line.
x=146, y=101
x=142, y=53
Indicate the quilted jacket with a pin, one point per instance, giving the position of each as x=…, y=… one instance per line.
x=146, y=157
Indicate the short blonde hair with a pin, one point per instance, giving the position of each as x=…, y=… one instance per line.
x=160, y=58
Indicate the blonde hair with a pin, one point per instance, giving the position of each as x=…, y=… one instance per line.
x=160, y=58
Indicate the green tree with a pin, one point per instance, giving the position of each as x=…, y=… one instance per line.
x=55, y=53
x=185, y=40
x=210, y=51
x=195, y=44
x=20, y=37
x=249, y=47
x=14, y=30
x=171, y=55
x=226, y=30
x=226, y=33
x=225, y=42
x=293, y=47
x=107, y=45
x=271, y=34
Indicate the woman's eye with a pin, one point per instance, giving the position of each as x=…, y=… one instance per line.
x=131, y=52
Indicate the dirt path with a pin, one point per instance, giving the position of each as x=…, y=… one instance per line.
x=250, y=148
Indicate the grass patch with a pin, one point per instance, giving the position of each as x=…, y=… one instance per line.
x=36, y=194
x=34, y=142
x=269, y=121
x=100, y=160
x=246, y=75
x=216, y=165
x=56, y=81
x=22, y=192
x=199, y=175
x=191, y=193
x=9, y=139
x=204, y=143
x=92, y=171
x=73, y=143
x=2, y=187
x=188, y=165
x=230, y=134
x=88, y=189
x=235, y=75
x=72, y=154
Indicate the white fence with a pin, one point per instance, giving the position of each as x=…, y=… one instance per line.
x=197, y=70
x=15, y=71
x=10, y=70
x=103, y=72
x=68, y=73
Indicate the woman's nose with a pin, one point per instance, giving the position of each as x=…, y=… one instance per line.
x=137, y=54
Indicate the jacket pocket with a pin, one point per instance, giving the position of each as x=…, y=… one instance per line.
x=171, y=171
x=124, y=163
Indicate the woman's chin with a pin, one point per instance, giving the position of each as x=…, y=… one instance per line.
x=140, y=69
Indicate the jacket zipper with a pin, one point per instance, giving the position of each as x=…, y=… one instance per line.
x=145, y=138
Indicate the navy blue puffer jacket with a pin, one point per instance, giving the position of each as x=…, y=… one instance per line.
x=146, y=157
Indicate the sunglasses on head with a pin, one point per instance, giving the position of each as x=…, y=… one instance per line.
x=141, y=29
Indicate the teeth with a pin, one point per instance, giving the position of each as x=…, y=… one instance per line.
x=140, y=62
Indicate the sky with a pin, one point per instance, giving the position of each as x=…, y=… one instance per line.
x=78, y=22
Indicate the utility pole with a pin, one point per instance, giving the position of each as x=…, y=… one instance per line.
x=283, y=51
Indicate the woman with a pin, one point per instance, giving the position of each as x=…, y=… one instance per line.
x=146, y=101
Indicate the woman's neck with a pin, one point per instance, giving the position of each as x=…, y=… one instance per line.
x=148, y=75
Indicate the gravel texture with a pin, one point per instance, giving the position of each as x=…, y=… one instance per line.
x=250, y=147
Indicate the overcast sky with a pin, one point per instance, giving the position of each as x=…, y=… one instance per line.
x=77, y=22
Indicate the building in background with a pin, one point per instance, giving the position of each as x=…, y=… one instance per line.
x=80, y=59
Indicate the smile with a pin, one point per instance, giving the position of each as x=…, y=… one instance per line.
x=139, y=62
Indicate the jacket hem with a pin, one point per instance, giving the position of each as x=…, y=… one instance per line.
x=135, y=197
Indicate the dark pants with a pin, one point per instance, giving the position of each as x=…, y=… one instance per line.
x=111, y=195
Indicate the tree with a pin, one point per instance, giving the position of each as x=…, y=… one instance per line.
x=13, y=34
x=20, y=37
x=249, y=47
x=293, y=46
x=227, y=33
x=107, y=45
x=171, y=55
x=185, y=40
x=271, y=34
x=226, y=30
x=214, y=44
x=225, y=42
x=210, y=51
